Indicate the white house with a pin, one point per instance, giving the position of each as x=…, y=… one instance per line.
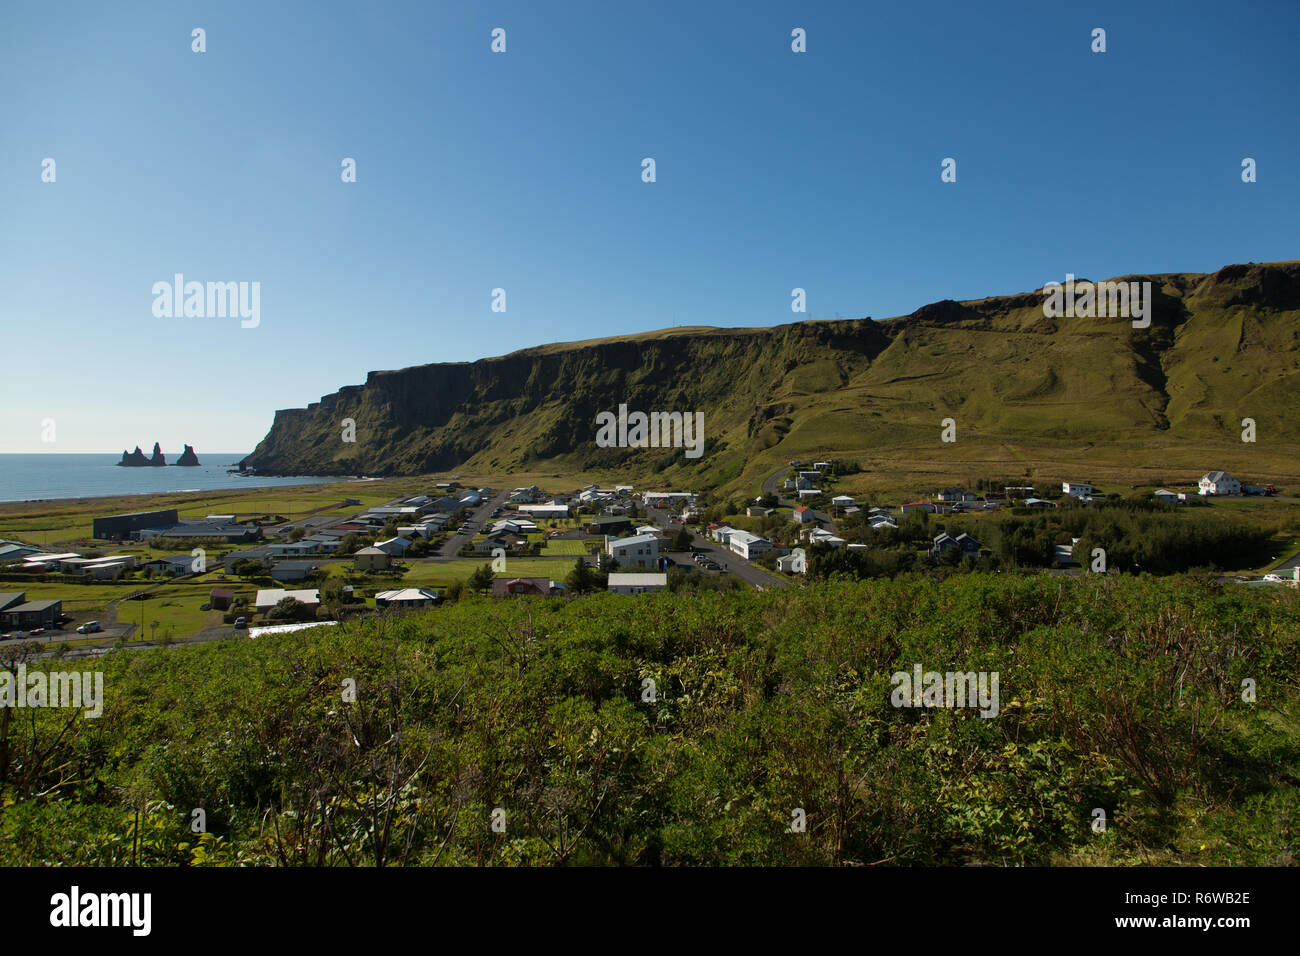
x=638, y=551
x=1164, y=496
x=1079, y=489
x=802, y=514
x=545, y=511
x=270, y=597
x=622, y=583
x=393, y=546
x=406, y=597
x=748, y=545
x=1219, y=483
x=842, y=501
x=794, y=563
x=722, y=534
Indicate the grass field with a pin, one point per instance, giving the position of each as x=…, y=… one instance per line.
x=49, y=523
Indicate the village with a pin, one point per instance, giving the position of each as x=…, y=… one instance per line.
x=228, y=574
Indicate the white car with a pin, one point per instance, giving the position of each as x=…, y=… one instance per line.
x=1274, y=577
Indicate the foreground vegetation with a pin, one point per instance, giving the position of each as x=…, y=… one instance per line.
x=1123, y=694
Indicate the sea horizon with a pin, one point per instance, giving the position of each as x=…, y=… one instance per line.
x=54, y=476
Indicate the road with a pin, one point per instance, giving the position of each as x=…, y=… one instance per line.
x=477, y=519
x=730, y=562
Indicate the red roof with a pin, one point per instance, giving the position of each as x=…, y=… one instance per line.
x=801, y=508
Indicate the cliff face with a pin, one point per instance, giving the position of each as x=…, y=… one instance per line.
x=1219, y=347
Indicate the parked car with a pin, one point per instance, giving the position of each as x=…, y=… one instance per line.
x=1268, y=577
x=205, y=607
x=90, y=627
x=241, y=622
x=15, y=635
x=36, y=632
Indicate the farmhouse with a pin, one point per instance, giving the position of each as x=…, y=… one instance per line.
x=803, y=514
x=1219, y=483
x=1078, y=489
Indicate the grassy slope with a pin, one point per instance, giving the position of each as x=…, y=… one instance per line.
x=1065, y=398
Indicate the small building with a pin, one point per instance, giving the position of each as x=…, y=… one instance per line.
x=794, y=563
x=613, y=524
x=1079, y=489
x=173, y=564
x=260, y=555
x=802, y=514
x=221, y=599
x=372, y=559
x=758, y=511
x=270, y=597
x=636, y=583
x=32, y=614
x=394, y=546
x=407, y=598
x=843, y=501
x=1165, y=496
x=10, y=599
x=515, y=587
x=540, y=512
x=925, y=506
x=293, y=570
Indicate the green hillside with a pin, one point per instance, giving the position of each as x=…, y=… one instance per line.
x=1122, y=695
x=1028, y=394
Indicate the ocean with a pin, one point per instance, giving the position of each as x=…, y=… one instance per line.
x=40, y=477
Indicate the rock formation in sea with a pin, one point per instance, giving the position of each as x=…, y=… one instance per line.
x=188, y=459
x=136, y=459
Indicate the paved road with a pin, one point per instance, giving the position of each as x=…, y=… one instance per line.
x=477, y=520
x=730, y=562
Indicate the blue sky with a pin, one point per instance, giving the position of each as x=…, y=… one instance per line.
x=522, y=171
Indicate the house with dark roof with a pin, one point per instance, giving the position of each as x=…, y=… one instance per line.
x=543, y=587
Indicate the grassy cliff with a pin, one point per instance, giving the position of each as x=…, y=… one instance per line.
x=1022, y=388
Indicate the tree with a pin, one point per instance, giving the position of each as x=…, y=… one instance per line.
x=581, y=579
x=682, y=540
x=247, y=568
x=297, y=534
x=287, y=609
x=481, y=579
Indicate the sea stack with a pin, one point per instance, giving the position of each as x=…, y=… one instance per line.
x=133, y=459
x=188, y=459
x=157, y=460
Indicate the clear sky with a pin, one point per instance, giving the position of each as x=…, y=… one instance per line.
x=522, y=170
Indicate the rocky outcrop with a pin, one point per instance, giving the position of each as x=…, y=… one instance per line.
x=136, y=459
x=188, y=459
